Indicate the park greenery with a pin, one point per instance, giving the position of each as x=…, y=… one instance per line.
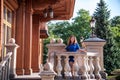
x=106, y=28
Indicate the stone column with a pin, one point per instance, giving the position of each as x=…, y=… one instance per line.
x=94, y=47
x=35, y=44
x=12, y=47
x=28, y=37
x=19, y=37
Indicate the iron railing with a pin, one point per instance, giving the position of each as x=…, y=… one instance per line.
x=5, y=67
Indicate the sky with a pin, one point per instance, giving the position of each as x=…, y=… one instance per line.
x=90, y=5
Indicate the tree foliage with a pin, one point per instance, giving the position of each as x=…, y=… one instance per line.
x=115, y=28
x=111, y=51
x=79, y=27
x=115, y=21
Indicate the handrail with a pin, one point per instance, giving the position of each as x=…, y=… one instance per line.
x=70, y=53
x=5, y=67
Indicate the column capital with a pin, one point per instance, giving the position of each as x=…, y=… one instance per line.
x=30, y=11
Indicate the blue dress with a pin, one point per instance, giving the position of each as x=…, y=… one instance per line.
x=72, y=48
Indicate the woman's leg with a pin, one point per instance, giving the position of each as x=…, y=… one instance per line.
x=72, y=68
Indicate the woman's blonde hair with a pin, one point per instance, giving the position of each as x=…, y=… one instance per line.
x=69, y=40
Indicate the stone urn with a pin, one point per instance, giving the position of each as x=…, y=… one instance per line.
x=48, y=67
x=60, y=40
x=52, y=40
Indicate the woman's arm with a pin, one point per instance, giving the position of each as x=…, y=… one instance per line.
x=77, y=46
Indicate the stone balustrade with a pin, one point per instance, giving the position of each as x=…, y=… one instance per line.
x=85, y=67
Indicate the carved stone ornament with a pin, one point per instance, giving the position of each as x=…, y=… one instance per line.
x=12, y=40
x=48, y=67
x=60, y=40
x=52, y=40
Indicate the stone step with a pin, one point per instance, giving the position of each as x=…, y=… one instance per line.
x=54, y=79
x=33, y=76
x=26, y=79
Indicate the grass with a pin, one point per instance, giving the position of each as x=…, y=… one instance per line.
x=114, y=77
x=111, y=77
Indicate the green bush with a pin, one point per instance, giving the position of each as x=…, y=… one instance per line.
x=117, y=77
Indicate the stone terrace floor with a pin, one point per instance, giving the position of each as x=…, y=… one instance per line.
x=33, y=76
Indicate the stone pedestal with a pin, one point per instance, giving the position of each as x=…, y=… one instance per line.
x=94, y=47
x=54, y=48
x=12, y=47
x=48, y=72
x=47, y=75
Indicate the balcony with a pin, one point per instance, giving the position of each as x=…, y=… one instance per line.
x=87, y=65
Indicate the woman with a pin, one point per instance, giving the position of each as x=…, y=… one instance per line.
x=72, y=46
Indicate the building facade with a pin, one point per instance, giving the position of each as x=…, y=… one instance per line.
x=25, y=20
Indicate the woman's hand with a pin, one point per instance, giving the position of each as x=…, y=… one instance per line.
x=82, y=50
x=64, y=50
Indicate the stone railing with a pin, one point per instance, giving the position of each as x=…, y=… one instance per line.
x=85, y=66
x=5, y=67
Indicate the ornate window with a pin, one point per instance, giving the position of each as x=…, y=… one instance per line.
x=7, y=24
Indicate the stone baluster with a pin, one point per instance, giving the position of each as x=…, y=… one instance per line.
x=84, y=69
x=91, y=67
x=76, y=67
x=97, y=68
x=59, y=66
x=51, y=57
x=67, y=68
x=88, y=67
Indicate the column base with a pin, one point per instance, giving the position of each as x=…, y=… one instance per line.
x=12, y=76
x=28, y=71
x=103, y=74
x=98, y=76
x=35, y=69
x=20, y=71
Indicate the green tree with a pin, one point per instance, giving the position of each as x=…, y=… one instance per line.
x=115, y=21
x=81, y=24
x=78, y=27
x=115, y=28
x=111, y=51
x=61, y=29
